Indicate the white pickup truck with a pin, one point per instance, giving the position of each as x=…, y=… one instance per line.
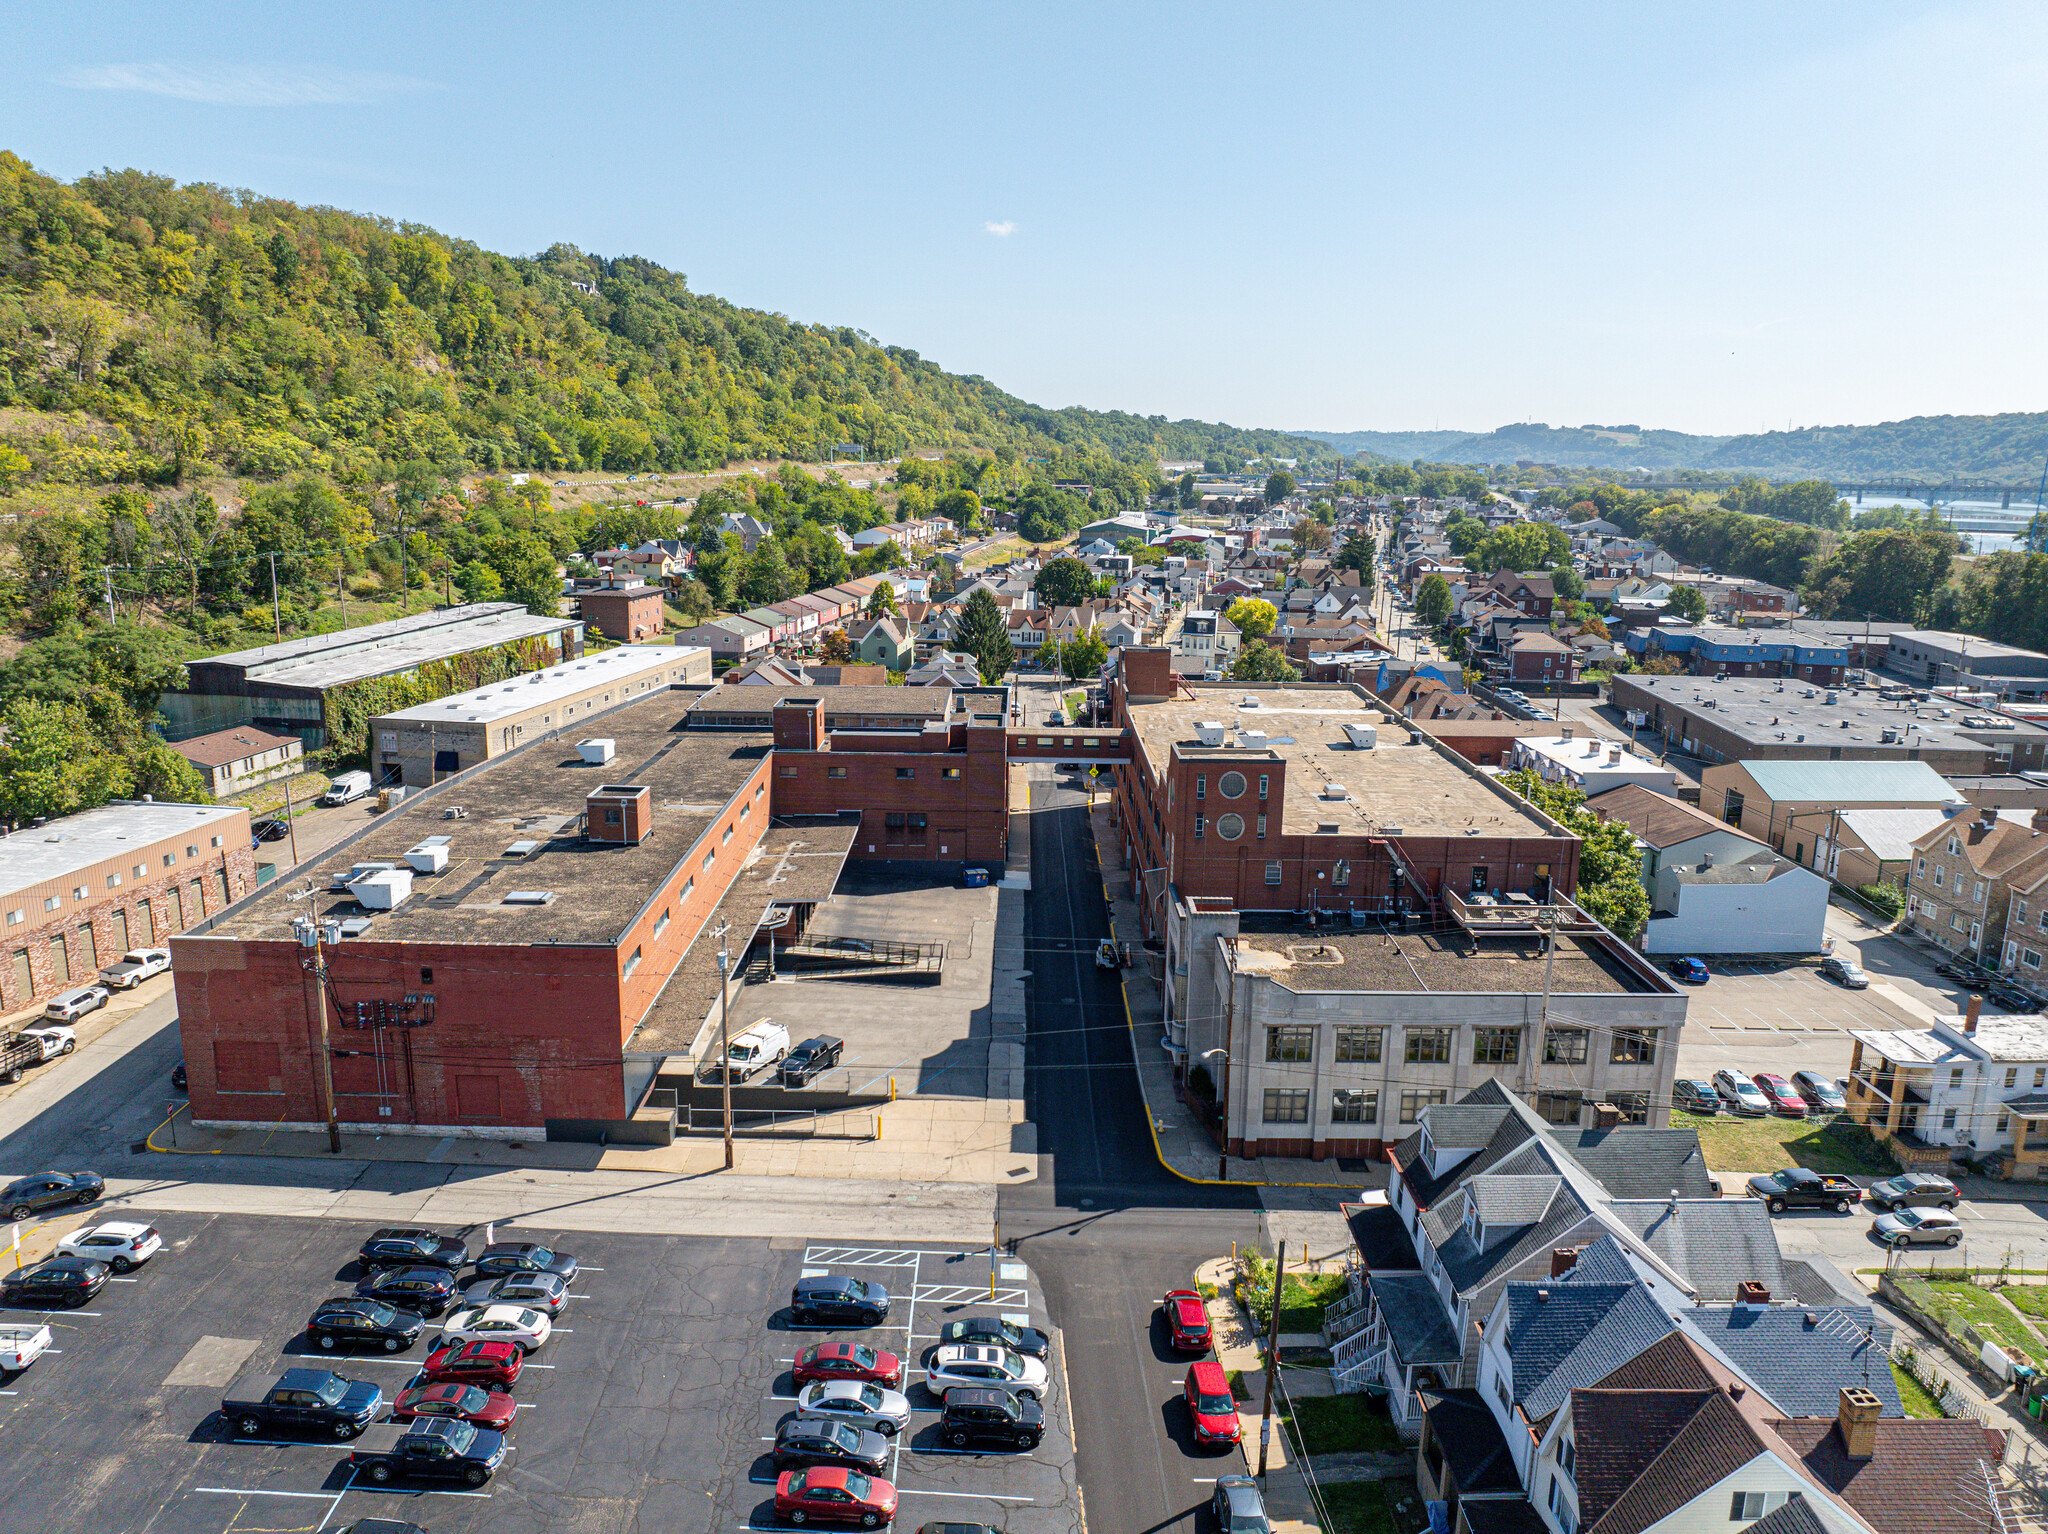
x=21, y=1345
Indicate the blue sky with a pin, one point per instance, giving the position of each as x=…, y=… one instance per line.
x=1714, y=217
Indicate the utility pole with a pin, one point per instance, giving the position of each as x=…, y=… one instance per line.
x=724, y=1041
x=312, y=935
x=107, y=572
x=276, y=611
x=290, y=825
x=1272, y=1354
x=341, y=593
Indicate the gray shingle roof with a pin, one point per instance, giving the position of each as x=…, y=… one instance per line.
x=1469, y=1267
x=1504, y=1202
x=1415, y=1318
x=1464, y=1125
x=1814, y=1281
x=1634, y=1162
x=1801, y=1365
x=1795, y=1517
x=1715, y=1243
x=1567, y=1336
x=1474, y=1449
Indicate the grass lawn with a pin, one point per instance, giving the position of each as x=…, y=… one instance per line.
x=268, y=798
x=1914, y=1396
x=1957, y=1301
x=1368, y=1507
x=2031, y=1298
x=1345, y=1424
x=1764, y=1145
x=1301, y=1303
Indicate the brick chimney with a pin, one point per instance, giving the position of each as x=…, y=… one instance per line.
x=1750, y=1292
x=1605, y=1115
x=1971, y=1015
x=1563, y=1259
x=1856, y=1416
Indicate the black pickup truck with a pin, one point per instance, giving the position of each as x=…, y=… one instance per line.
x=303, y=1399
x=430, y=1448
x=1802, y=1188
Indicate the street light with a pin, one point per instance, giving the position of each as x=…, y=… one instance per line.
x=1223, y=1150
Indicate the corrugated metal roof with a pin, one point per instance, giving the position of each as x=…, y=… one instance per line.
x=1851, y=782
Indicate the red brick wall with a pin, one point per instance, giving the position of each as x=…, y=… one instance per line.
x=967, y=817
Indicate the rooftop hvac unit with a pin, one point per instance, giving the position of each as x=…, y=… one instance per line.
x=596, y=752
x=343, y=881
x=1387, y=830
x=1210, y=732
x=425, y=859
x=355, y=926
x=1362, y=736
x=1251, y=740
x=385, y=891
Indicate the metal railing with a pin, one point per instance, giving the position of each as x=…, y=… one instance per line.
x=750, y=1121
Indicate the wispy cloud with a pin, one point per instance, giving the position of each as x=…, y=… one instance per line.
x=1001, y=231
x=263, y=85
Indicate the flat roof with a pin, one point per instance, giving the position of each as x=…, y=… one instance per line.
x=1762, y=711
x=368, y=633
x=849, y=702
x=1965, y=646
x=496, y=700
x=535, y=794
x=36, y=854
x=1370, y=960
x=353, y=658
x=1418, y=788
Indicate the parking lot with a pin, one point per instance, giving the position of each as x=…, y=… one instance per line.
x=1772, y=1016
x=650, y=1408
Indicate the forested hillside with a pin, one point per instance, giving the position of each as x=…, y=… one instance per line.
x=149, y=332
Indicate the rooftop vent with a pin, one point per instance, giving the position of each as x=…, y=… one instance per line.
x=1252, y=740
x=522, y=849
x=1249, y=700
x=1387, y=830
x=529, y=897
x=1335, y=791
x=1327, y=828
x=355, y=926
x=596, y=752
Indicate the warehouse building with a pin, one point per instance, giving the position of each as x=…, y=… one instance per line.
x=288, y=687
x=1932, y=658
x=421, y=745
x=79, y=892
x=233, y=760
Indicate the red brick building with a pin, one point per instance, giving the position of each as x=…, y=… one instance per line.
x=628, y=614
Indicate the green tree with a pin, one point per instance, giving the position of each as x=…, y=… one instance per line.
x=985, y=635
x=1279, y=486
x=1687, y=603
x=1433, y=599
x=1523, y=546
x=1253, y=617
x=1893, y=573
x=1309, y=535
x=1358, y=554
x=1465, y=534
x=1063, y=583
x=1258, y=661
x=1610, y=886
x=1567, y=583
x=478, y=582
x=1084, y=655
x=764, y=575
x=961, y=507
x=48, y=766
x=526, y=569
x=882, y=602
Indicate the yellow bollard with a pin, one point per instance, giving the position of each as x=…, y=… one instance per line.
x=892, y=1089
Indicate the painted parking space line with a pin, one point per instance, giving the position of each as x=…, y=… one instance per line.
x=912, y=1491
x=254, y=1491
x=418, y=1491
x=865, y=1256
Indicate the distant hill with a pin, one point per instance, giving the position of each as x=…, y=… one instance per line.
x=2008, y=447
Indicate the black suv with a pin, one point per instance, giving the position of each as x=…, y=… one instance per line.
x=49, y=1190
x=983, y=1414
x=60, y=1281
x=352, y=1323
x=410, y=1246
x=829, y=1299
x=424, y=1291
x=803, y=1441
x=811, y=1058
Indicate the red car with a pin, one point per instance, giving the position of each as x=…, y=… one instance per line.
x=475, y=1363
x=848, y=1361
x=451, y=1398
x=1211, y=1404
x=834, y=1493
x=1779, y=1094
x=1188, y=1319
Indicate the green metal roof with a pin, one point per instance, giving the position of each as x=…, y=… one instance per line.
x=1851, y=782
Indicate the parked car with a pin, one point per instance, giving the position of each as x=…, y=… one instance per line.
x=1844, y=972
x=69, y=1006
x=352, y=1323
x=498, y=1323
x=1187, y=1320
x=1914, y=1190
x=1211, y=1404
x=1740, y=1095
x=121, y=1244
x=434, y=1449
x=1779, y=1094
x=982, y=1414
x=860, y=1402
x=994, y=1331
x=847, y=1361
x=1918, y=1227
x=834, y=1494
x=1238, y=1507
x=423, y=1291
x=812, y=1057
x=802, y=1441
x=544, y=1292
x=412, y=1246
x=973, y=1365
x=57, y=1282
x=1691, y=971
x=1696, y=1097
x=1821, y=1094
x=473, y=1404
x=270, y=830
x=300, y=1401
x=1802, y=1188
x=178, y=1077
x=504, y=1258
x=134, y=967
x=52, y=1040
x=826, y=1299
x=49, y=1190
x=476, y=1363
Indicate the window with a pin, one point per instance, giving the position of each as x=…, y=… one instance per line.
x=1748, y=1504
x=1359, y=1045
x=1496, y=1046
x=1937, y=875
x=82, y=892
x=1480, y=876
x=1262, y=828
x=1293, y=1042
x=1565, y=1046
x=725, y=837
x=170, y=860
x=949, y=772
x=906, y=772
x=1201, y=823
x=1286, y=1105
x=1412, y=1103
x=1560, y=1505
x=1567, y=1455
x=1955, y=1078
x=141, y=870
x=2040, y=1071
x=216, y=841
x=1979, y=896
x=1349, y=1106
x=835, y=772
x=113, y=881
x=689, y=887
x=1272, y=869
x=1955, y=848
x=1201, y=785
x=1920, y=865
x=1635, y=1047
x=1559, y=1107
x=1231, y=785
x=786, y=772
x=1500, y=1388
x=193, y=852
x=1976, y=934
x=661, y=922
x=1229, y=827
x=2012, y=1077
x=710, y=858
x=632, y=963
x=51, y=903
x=1948, y=1119
x=1429, y=1046
x=16, y=918
x=2004, y=1122
x=1262, y=785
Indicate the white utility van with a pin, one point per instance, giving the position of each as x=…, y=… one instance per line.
x=759, y=1047
x=346, y=788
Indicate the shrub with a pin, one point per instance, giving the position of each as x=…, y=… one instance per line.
x=1202, y=1084
x=1887, y=898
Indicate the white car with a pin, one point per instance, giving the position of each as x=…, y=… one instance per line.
x=71, y=1005
x=21, y=1344
x=55, y=1040
x=134, y=967
x=966, y=1364
x=120, y=1244
x=860, y=1403
x=497, y=1323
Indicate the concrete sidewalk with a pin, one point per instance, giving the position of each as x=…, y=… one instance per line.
x=1184, y=1144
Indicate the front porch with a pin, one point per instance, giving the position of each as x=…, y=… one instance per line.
x=1889, y=1097
x=1401, y=1343
x=1462, y=1461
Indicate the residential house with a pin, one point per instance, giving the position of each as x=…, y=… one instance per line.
x=233, y=760
x=769, y=671
x=1973, y=1083
x=802, y=615
x=1875, y=846
x=750, y=528
x=1963, y=879
x=1792, y=804
x=1207, y=641
x=1027, y=629
x=881, y=642
x=728, y=638
x=781, y=626
x=1529, y=592
x=1537, y=658
x=944, y=668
